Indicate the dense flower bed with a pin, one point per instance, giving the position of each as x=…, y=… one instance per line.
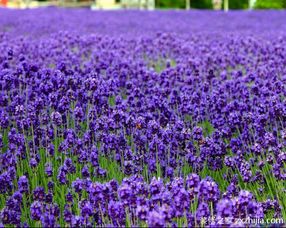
x=141, y=118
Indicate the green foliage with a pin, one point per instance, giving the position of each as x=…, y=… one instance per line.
x=233, y=4
x=207, y=127
x=181, y=4
x=171, y=4
x=270, y=4
x=238, y=4
x=201, y=4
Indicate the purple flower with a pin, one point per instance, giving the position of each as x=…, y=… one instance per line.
x=49, y=169
x=125, y=193
x=77, y=221
x=69, y=197
x=155, y=219
x=11, y=217
x=208, y=191
x=203, y=211
x=85, y=172
x=51, y=185
x=23, y=184
x=156, y=186
x=197, y=133
x=62, y=175
x=225, y=208
x=116, y=212
x=36, y=210
x=68, y=166
x=128, y=167
x=94, y=157
x=39, y=194
x=56, y=118
x=142, y=212
x=78, y=113
x=86, y=209
x=48, y=220
x=67, y=214
x=192, y=181
x=49, y=197
x=33, y=162
x=78, y=185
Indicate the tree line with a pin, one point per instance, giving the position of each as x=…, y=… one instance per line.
x=232, y=4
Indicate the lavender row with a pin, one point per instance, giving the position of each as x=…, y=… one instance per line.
x=182, y=202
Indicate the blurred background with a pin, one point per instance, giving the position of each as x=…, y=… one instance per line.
x=149, y=4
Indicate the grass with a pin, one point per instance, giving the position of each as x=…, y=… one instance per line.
x=160, y=64
x=207, y=127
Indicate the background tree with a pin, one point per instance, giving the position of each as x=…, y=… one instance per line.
x=233, y=4
x=238, y=4
x=202, y=4
x=270, y=4
x=171, y=4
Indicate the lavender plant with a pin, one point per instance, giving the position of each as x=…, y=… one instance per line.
x=171, y=119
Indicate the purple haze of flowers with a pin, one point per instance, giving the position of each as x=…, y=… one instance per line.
x=160, y=121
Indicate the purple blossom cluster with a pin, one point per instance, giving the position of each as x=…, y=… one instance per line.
x=105, y=121
x=157, y=204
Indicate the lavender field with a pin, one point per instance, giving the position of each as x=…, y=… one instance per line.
x=142, y=119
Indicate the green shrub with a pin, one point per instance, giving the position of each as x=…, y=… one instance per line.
x=201, y=4
x=238, y=4
x=233, y=4
x=170, y=3
x=270, y=4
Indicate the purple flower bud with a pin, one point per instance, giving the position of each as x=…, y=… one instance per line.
x=39, y=194
x=203, y=211
x=156, y=186
x=56, y=118
x=116, y=212
x=78, y=185
x=197, y=133
x=85, y=172
x=49, y=169
x=69, y=197
x=51, y=185
x=86, y=209
x=23, y=184
x=156, y=219
x=36, y=210
x=208, y=191
x=67, y=214
x=33, y=162
x=49, y=198
x=225, y=208
x=78, y=113
x=142, y=212
x=48, y=220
